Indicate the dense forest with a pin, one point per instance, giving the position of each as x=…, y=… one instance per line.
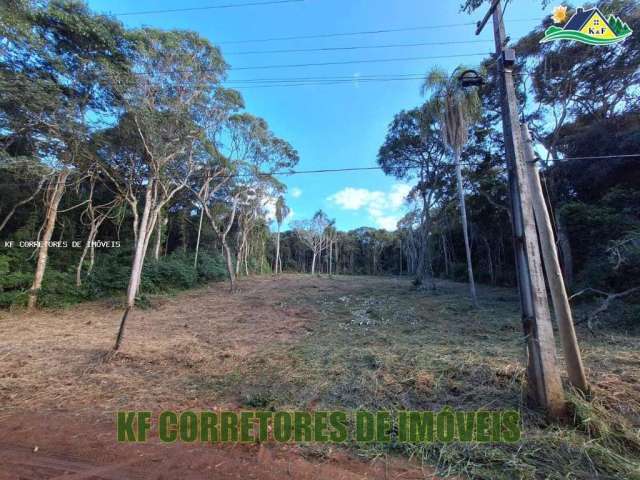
x=128, y=166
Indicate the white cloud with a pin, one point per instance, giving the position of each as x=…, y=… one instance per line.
x=296, y=192
x=384, y=208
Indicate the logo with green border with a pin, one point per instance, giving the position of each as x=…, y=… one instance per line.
x=587, y=26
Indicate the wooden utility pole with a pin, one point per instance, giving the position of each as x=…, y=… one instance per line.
x=559, y=296
x=545, y=386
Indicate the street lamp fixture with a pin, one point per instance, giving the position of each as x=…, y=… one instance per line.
x=470, y=78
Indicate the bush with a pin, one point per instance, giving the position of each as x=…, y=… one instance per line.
x=173, y=271
x=59, y=290
x=110, y=277
x=211, y=267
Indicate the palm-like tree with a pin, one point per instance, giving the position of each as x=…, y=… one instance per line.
x=456, y=109
x=282, y=212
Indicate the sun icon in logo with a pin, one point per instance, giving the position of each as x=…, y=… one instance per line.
x=559, y=14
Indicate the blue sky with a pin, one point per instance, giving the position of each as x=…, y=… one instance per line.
x=334, y=126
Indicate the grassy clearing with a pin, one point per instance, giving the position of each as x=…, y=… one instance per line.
x=383, y=346
x=300, y=342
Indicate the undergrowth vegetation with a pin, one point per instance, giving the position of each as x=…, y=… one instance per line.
x=109, y=277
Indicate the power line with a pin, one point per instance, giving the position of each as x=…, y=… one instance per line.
x=354, y=62
x=208, y=7
x=363, y=32
x=361, y=169
x=356, y=169
x=353, y=81
x=356, y=47
x=321, y=64
x=372, y=76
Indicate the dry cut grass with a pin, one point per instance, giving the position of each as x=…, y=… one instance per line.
x=301, y=342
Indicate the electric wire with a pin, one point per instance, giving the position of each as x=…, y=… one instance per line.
x=357, y=47
x=363, y=32
x=378, y=168
x=207, y=7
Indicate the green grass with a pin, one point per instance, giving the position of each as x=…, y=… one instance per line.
x=388, y=347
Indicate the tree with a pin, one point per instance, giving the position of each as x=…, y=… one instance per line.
x=455, y=109
x=312, y=233
x=413, y=150
x=282, y=212
x=52, y=73
x=241, y=154
x=150, y=153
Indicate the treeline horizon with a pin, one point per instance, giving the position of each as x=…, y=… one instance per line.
x=129, y=135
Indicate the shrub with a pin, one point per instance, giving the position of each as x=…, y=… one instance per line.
x=211, y=267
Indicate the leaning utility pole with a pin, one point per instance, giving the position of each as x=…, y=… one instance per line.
x=559, y=297
x=545, y=386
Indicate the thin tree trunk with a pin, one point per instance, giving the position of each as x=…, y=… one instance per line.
x=278, y=249
x=465, y=230
x=156, y=250
x=313, y=263
x=246, y=261
x=50, y=222
x=137, y=264
x=195, y=259
x=90, y=239
x=230, y=271
x=262, y=258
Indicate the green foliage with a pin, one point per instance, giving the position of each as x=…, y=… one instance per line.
x=109, y=278
x=173, y=271
x=211, y=268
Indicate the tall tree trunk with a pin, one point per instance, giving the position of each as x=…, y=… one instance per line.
x=465, y=230
x=422, y=267
x=142, y=242
x=445, y=254
x=156, y=250
x=195, y=259
x=262, y=258
x=330, y=255
x=313, y=262
x=492, y=274
x=56, y=191
x=278, y=249
x=229, y=260
x=246, y=260
x=91, y=237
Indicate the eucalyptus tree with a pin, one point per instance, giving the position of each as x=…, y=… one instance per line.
x=455, y=108
x=242, y=154
x=331, y=234
x=413, y=151
x=150, y=155
x=312, y=233
x=54, y=60
x=282, y=211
